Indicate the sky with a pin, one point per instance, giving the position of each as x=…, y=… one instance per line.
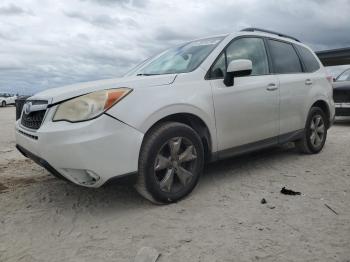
x=45, y=44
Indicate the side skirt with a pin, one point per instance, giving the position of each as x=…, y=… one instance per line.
x=266, y=143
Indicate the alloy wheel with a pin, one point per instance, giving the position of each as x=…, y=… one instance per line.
x=318, y=128
x=174, y=165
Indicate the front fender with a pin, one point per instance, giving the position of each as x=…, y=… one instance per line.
x=174, y=109
x=142, y=110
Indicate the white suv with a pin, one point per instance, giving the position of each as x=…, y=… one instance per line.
x=7, y=99
x=198, y=102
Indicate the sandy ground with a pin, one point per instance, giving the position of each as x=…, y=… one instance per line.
x=45, y=219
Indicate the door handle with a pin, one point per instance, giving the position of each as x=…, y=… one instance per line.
x=308, y=82
x=271, y=87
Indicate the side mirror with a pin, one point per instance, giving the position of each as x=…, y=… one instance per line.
x=237, y=68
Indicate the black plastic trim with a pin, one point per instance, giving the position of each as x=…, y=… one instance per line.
x=303, y=65
x=251, y=147
x=126, y=179
x=342, y=111
x=292, y=136
x=40, y=162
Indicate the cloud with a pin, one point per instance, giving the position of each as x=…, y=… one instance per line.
x=8, y=63
x=169, y=34
x=101, y=20
x=72, y=41
x=96, y=20
x=137, y=3
x=12, y=9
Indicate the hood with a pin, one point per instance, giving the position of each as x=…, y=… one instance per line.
x=56, y=95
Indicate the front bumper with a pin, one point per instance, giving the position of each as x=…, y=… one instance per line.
x=86, y=153
x=342, y=109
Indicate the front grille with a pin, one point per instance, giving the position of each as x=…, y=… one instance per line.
x=33, y=120
x=20, y=101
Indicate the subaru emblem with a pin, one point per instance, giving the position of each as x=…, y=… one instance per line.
x=27, y=108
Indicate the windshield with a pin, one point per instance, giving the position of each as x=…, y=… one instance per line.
x=345, y=76
x=181, y=59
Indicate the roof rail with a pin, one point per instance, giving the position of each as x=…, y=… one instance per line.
x=252, y=29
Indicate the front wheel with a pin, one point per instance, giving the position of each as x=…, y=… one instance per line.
x=3, y=103
x=171, y=161
x=315, y=134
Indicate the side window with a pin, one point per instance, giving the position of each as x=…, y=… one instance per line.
x=252, y=49
x=284, y=58
x=308, y=58
x=242, y=48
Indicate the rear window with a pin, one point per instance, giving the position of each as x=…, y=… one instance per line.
x=284, y=58
x=309, y=60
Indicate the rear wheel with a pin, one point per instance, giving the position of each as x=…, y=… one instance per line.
x=315, y=134
x=171, y=161
x=3, y=103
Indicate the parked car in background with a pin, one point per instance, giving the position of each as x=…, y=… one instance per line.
x=7, y=99
x=341, y=94
x=201, y=101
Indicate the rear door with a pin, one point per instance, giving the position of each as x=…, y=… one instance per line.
x=294, y=85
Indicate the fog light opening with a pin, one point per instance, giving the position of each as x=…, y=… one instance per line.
x=94, y=176
x=82, y=176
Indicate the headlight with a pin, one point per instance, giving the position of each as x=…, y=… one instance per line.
x=89, y=106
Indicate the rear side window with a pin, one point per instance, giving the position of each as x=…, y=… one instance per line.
x=309, y=60
x=284, y=58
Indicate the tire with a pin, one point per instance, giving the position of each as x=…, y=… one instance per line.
x=170, y=163
x=3, y=103
x=315, y=134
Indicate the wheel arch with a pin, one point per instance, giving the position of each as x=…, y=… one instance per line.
x=325, y=108
x=195, y=122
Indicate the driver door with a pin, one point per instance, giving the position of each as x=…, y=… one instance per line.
x=248, y=111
